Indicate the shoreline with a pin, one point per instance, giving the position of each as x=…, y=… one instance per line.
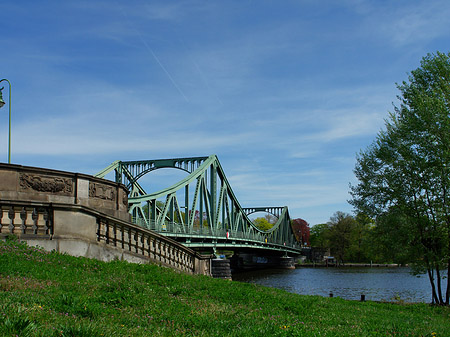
x=352, y=265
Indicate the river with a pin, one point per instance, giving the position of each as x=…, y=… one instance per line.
x=377, y=284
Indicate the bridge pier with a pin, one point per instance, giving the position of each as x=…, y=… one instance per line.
x=286, y=262
x=220, y=268
x=247, y=261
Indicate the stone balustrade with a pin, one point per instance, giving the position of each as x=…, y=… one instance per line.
x=25, y=220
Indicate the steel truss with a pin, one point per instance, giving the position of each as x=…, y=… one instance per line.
x=201, y=209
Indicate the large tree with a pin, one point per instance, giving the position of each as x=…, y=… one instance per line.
x=301, y=231
x=404, y=174
x=341, y=235
x=319, y=236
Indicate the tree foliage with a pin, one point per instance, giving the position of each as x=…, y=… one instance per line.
x=262, y=223
x=404, y=177
x=348, y=238
x=341, y=235
x=319, y=236
x=265, y=223
x=301, y=231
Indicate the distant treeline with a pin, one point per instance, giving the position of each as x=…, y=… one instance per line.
x=357, y=239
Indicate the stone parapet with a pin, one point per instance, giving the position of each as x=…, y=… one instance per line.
x=24, y=183
x=81, y=231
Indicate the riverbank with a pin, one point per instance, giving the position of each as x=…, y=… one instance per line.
x=48, y=294
x=350, y=265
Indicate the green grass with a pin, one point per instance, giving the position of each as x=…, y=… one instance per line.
x=49, y=294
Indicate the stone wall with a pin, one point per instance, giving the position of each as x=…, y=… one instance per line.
x=81, y=231
x=44, y=185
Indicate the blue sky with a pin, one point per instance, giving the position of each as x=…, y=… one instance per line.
x=284, y=92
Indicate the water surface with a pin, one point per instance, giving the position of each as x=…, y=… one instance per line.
x=377, y=284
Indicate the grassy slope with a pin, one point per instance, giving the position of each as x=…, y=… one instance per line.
x=48, y=294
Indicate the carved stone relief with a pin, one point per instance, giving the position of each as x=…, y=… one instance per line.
x=101, y=191
x=46, y=184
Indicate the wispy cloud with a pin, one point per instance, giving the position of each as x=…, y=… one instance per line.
x=409, y=23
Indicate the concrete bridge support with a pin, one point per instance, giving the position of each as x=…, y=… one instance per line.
x=247, y=261
x=220, y=268
x=286, y=262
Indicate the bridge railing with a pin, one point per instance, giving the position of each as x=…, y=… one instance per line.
x=181, y=230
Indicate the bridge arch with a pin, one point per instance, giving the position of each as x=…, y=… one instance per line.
x=275, y=211
x=187, y=165
x=143, y=173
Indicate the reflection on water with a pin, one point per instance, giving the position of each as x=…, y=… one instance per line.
x=378, y=284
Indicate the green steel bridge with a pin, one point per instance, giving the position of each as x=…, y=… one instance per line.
x=201, y=211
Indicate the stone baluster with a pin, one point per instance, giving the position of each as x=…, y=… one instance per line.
x=106, y=224
x=115, y=234
x=122, y=233
x=35, y=218
x=129, y=239
x=142, y=243
x=23, y=217
x=136, y=241
x=47, y=224
x=153, y=248
x=148, y=246
x=11, y=216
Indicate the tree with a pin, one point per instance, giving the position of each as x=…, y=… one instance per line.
x=360, y=249
x=198, y=217
x=319, y=236
x=349, y=238
x=389, y=241
x=301, y=231
x=262, y=223
x=341, y=235
x=405, y=174
x=272, y=219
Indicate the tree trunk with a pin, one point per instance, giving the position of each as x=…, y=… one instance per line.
x=438, y=281
x=447, y=293
x=433, y=287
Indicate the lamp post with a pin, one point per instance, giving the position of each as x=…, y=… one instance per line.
x=2, y=103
